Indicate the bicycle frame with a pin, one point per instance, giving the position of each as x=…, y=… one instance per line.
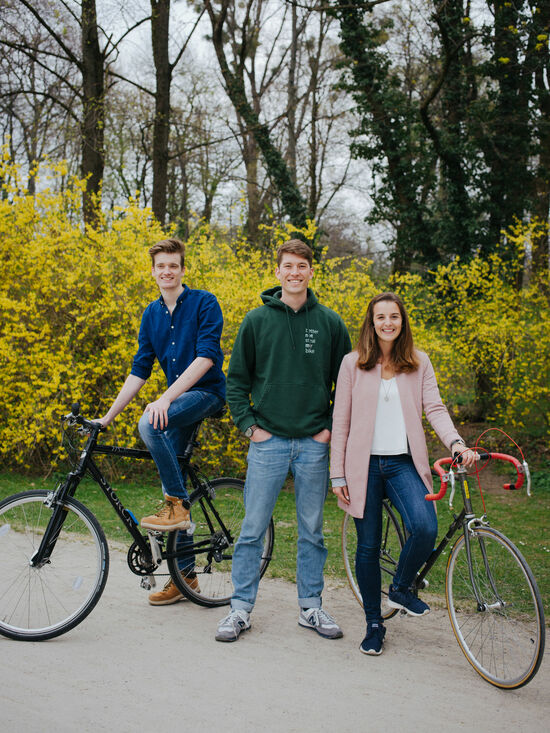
x=494, y=605
x=466, y=518
x=152, y=555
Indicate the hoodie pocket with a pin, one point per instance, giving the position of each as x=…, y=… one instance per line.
x=288, y=402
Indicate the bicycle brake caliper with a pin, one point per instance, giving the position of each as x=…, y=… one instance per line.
x=476, y=522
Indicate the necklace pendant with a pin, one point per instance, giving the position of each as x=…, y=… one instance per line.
x=386, y=398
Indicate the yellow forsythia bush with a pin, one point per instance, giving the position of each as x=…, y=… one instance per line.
x=71, y=301
x=489, y=340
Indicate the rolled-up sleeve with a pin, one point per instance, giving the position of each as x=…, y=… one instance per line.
x=145, y=356
x=209, y=329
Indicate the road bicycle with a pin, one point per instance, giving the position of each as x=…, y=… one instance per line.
x=493, y=601
x=54, y=558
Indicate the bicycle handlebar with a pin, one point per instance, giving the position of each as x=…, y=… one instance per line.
x=522, y=470
x=74, y=417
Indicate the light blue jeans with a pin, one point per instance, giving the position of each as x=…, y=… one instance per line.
x=165, y=445
x=269, y=463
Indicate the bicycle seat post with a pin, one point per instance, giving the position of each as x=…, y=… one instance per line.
x=191, y=444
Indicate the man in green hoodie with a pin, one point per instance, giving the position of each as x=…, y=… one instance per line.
x=280, y=386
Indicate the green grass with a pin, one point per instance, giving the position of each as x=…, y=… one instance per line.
x=523, y=519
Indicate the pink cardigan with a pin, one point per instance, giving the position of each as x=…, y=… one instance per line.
x=354, y=417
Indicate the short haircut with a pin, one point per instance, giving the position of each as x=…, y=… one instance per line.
x=295, y=247
x=168, y=245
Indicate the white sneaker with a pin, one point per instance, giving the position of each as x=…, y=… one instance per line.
x=231, y=626
x=321, y=622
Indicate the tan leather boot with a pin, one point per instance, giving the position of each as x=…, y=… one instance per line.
x=172, y=515
x=171, y=594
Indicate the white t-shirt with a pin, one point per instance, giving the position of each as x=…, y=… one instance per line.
x=390, y=435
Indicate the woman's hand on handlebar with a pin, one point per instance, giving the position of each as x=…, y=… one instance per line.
x=467, y=455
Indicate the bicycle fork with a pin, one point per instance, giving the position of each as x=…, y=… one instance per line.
x=482, y=605
x=470, y=523
x=56, y=499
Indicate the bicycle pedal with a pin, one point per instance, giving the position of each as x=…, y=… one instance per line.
x=148, y=582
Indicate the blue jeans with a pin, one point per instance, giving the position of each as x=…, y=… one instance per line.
x=397, y=478
x=165, y=445
x=268, y=465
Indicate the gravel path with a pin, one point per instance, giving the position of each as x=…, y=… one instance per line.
x=131, y=667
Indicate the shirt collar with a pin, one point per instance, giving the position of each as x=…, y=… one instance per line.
x=180, y=297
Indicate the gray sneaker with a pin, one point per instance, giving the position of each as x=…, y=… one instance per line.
x=321, y=622
x=231, y=626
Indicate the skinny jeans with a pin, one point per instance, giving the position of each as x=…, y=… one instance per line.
x=396, y=478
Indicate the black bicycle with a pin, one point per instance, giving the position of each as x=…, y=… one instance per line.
x=54, y=558
x=494, y=604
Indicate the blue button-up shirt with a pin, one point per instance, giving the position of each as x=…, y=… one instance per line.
x=192, y=329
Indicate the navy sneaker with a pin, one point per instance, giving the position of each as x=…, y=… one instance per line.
x=372, y=643
x=407, y=601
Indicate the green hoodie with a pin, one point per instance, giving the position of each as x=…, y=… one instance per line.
x=284, y=366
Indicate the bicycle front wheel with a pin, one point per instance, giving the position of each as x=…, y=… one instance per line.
x=38, y=603
x=390, y=549
x=495, y=608
x=208, y=555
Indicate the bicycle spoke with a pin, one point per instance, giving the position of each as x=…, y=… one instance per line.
x=43, y=601
x=209, y=555
x=498, y=621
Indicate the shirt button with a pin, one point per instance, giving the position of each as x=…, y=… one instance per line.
x=173, y=360
x=173, y=343
x=171, y=326
x=177, y=375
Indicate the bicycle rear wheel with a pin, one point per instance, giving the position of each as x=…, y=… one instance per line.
x=390, y=549
x=38, y=603
x=502, y=636
x=207, y=580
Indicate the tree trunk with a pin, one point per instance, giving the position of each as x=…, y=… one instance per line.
x=507, y=151
x=254, y=214
x=278, y=171
x=540, y=263
x=292, y=96
x=160, y=20
x=93, y=114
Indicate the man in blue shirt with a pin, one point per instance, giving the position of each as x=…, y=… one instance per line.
x=182, y=329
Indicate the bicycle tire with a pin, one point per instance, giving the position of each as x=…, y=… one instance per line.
x=504, y=638
x=212, y=566
x=390, y=549
x=39, y=603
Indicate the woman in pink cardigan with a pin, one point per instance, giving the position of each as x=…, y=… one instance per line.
x=378, y=449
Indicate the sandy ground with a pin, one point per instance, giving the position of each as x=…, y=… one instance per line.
x=130, y=666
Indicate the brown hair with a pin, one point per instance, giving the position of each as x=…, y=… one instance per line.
x=403, y=357
x=169, y=246
x=295, y=247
